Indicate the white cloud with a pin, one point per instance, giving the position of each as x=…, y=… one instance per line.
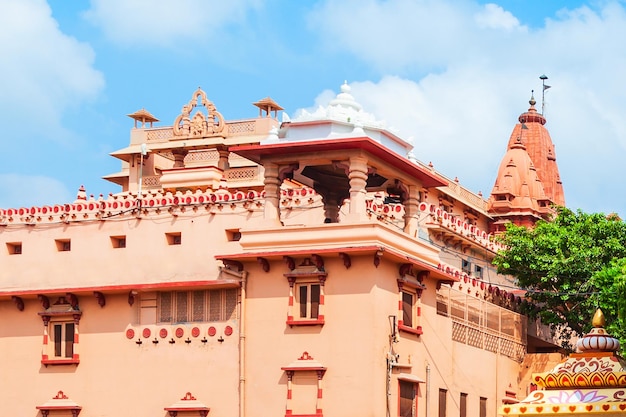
x=495, y=17
x=44, y=71
x=474, y=79
x=31, y=190
x=165, y=22
x=395, y=35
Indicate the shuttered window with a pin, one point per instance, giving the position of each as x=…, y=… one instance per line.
x=63, y=338
x=197, y=306
x=309, y=300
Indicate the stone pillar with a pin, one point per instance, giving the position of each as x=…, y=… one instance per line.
x=330, y=199
x=222, y=162
x=179, y=157
x=411, y=211
x=331, y=207
x=272, y=193
x=358, y=181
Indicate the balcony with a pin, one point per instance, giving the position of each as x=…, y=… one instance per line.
x=483, y=325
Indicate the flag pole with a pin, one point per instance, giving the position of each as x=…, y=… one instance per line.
x=543, y=79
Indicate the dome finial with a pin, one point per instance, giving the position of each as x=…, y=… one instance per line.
x=532, y=101
x=598, y=319
x=598, y=339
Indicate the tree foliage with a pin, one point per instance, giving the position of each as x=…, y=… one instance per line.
x=570, y=266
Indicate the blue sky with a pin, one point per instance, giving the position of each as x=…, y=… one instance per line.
x=450, y=75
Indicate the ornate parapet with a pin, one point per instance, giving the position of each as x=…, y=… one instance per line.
x=199, y=124
x=127, y=204
x=455, y=229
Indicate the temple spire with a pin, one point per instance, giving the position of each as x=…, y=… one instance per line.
x=528, y=183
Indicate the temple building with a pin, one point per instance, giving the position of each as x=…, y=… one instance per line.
x=273, y=266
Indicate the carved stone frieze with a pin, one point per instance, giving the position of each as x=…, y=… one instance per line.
x=199, y=124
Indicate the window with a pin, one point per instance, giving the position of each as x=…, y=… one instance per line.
x=118, y=242
x=63, y=245
x=408, y=308
x=410, y=298
x=308, y=300
x=443, y=394
x=196, y=306
x=463, y=405
x=407, y=404
x=443, y=295
x=466, y=266
x=14, y=248
x=483, y=407
x=233, y=235
x=478, y=271
x=173, y=238
x=60, y=339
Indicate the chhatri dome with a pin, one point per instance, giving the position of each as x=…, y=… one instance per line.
x=589, y=382
x=343, y=108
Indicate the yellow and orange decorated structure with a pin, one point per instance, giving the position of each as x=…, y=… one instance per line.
x=592, y=381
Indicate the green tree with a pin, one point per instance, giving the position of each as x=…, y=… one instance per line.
x=569, y=266
x=610, y=285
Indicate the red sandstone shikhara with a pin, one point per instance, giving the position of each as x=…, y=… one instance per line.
x=528, y=180
x=304, y=267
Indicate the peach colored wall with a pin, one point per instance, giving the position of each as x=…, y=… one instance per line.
x=147, y=257
x=352, y=343
x=115, y=375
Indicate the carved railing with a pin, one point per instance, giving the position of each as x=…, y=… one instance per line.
x=242, y=174
x=441, y=218
x=241, y=128
x=467, y=195
x=483, y=325
x=162, y=134
x=150, y=182
x=481, y=339
x=159, y=134
x=202, y=156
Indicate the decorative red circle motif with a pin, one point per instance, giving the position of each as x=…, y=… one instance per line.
x=146, y=333
x=130, y=333
x=163, y=333
x=228, y=331
x=179, y=332
x=212, y=331
x=195, y=332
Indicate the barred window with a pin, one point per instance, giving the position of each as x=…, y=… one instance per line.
x=196, y=306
